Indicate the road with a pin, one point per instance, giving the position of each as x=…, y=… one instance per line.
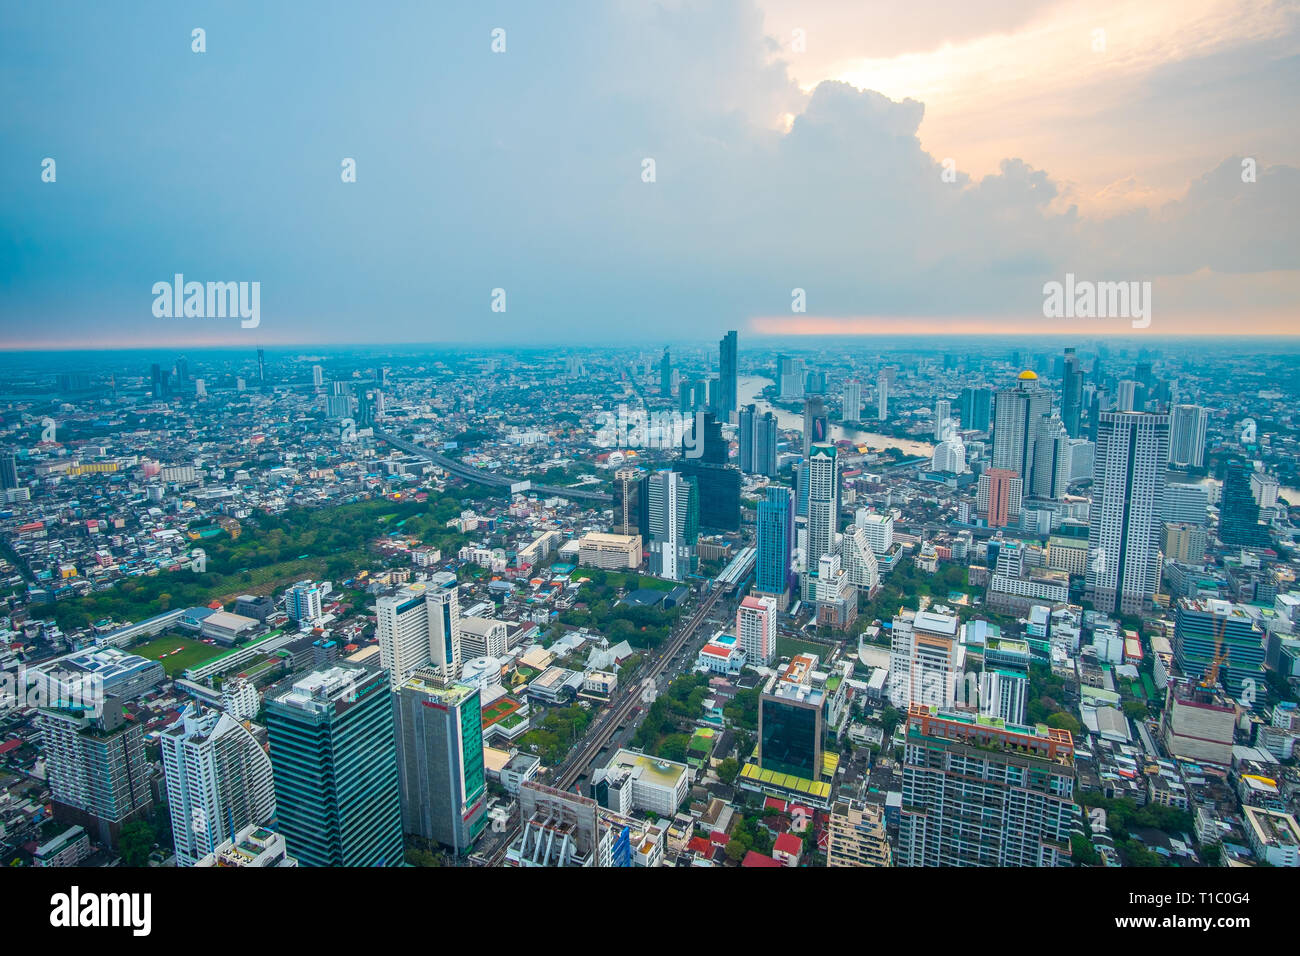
x=619, y=715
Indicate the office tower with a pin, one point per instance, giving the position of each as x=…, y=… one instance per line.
x=8, y=471
x=1083, y=454
x=745, y=436
x=823, y=501
x=1219, y=641
x=200, y=388
x=926, y=659
x=1126, y=395
x=1184, y=543
x=858, y=558
x=756, y=629
x=727, y=377
x=765, y=445
x=789, y=377
x=998, y=496
x=856, y=836
x=1187, y=436
x=96, y=768
x=816, y=424
x=629, y=487
x=775, y=536
x=1015, y=419
x=882, y=395
x=665, y=374
x=302, y=602
x=1051, y=475
x=852, y=410
x=1004, y=680
x=261, y=366
x=790, y=729
x=419, y=626
x=943, y=426
x=879, y=529
x=985, y=792
x=219, y=781
x=800, y=474
x=334, y=760
x=440, y=760
x=1071, y=394
x=816, y=382
x=1186, y=504
x=1128, y=491
x=717, y=483
x=158, y=382
x=1238, y=511
x=976, y=409
x=674, y=518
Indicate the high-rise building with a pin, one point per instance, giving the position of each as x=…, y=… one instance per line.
x=1187, y=436
x=998, y=496
x=943, y=427
x=665, y=374
x=303, y=602
x=857, y=836
x=317, y=376
x=985, y=792
x=1015, y=420
x=1052, y=452
x=926, y=659
x=261, y=366
x=879, y=528
x=1126, y=395
x=1004, y=680
x=976, y=409
x=564, y=829
x=1184, y=543
x=674, y=518
x=717, y=482
x=745, y=438
x=96, y=768
x=1128, y=491
x=440, y=760
x=790, y=376
x=882, y=395
x=219, y=781
x=1238, y=511
x=727, y=377
x=823, y=501
x=852, y=410
x=765, y=445
x=629, y=487
x=790, y=727
x=334, y=759
x=816, y=424
x=775, y=537
x=419, y=626
x=858, y=558
x=1186, y=504
x=756, y=629
x=8, y=471
x=1072, y=394
x=1220, y=639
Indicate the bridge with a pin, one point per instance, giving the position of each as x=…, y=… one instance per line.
x=483, y=477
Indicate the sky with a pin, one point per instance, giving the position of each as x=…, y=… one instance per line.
x=920, y=167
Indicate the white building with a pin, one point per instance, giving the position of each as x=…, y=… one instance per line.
x=419, y=626
x=879, y=529
x=926, y=659
x=756, y=629
x=240, y=699
x=218, y=780
x=482, y=637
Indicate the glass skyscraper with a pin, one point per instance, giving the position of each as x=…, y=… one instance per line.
x=775, y=534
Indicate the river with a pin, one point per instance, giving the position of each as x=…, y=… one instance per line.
x=749, y=390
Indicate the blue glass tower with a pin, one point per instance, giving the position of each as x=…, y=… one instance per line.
x=775, y=528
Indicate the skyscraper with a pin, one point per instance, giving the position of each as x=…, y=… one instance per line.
x=629, y=486
x=765, y=445
x=775, y=536
x=1004, y=680
x=998, y=496
x=1220, y=639
x=943, y=426
x=419, y=626
x=717, y=482
x=8, y=471
x=823, y=501
x=926, y=659
x=334, y=759
x=1071, y=394
x=976, y=409
x=1128, y=490
x=882, y=395
x=219, y=781
x=440, y=760
x=727, y=377
x=1015, y=419
x=756, y=629
x=790, y=377
x=665, y=374
x=674, y=516
x=745, y=436
x=1238, y=511
x=816, y=423
x=985, y=792
x=852, y=410
x=1187, y=436
x=1051, y=473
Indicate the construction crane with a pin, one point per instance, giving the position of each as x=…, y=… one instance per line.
x=1220, y=658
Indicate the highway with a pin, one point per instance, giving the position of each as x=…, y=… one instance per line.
x=484, y=477
x=605, y=726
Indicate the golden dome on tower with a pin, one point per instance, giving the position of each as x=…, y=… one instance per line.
x=1028, y=376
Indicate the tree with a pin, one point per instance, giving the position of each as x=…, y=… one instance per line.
x=134, y=843
x=1063, y=721
x=728, y=769
x=1082, y=851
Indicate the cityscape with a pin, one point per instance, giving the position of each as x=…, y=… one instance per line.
x=681, y=434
